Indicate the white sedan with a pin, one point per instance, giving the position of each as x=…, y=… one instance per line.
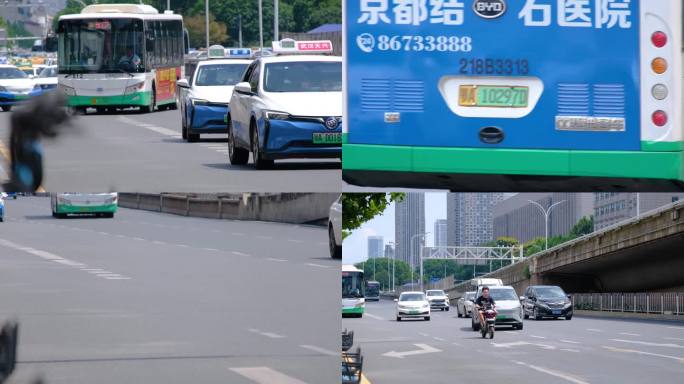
x=47, y=78
x=15, y=87
x=287, y=107
x=413, y=305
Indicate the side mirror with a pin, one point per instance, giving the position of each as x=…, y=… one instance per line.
x=396, y=300
x=243, y=87
x=8, y=349
x=533, y=298
x=183, y=83
x=522, y=298
x=569, y=297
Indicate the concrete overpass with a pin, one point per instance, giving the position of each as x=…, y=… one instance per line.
x=641, y=254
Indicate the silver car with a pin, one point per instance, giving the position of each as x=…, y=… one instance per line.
x=464, y=305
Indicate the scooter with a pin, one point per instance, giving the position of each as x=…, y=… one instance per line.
x=489, y=316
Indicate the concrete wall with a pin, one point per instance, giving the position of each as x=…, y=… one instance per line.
x=295, y=208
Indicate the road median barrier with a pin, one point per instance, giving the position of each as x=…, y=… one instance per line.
x=296, y=208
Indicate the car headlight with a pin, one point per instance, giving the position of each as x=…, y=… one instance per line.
x=199, y=102
x=134, y=88
x=567, y=305
x=276, y=115
x=37, y=87
x=69, y=91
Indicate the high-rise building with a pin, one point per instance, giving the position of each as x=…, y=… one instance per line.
x=518, y=218
x=470, y=218
x=389, y=251
x=440, y=233
x=376, y=247
x=409, y=220
x=611, y=208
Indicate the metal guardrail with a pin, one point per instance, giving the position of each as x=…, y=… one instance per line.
x=662, y=303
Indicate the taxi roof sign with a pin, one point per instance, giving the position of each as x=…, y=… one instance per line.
x=216, y=52
x=238, y=53
x=304, y=46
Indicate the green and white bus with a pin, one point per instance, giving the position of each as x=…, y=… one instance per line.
x=115, y=56
x=98, y=204
x=353, y=295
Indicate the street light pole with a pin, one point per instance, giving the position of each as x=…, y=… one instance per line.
x=261, y=28
x=168, y=5
x=413, y=254
x=275, y=20
x=546, y=213
x=206, y=23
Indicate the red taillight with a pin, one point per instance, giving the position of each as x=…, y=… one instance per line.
x=659, y=39
x=659, y=118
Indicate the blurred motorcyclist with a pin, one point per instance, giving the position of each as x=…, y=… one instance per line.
x=482, y=302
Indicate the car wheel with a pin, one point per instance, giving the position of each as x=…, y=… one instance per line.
x=568, y=317
x=236, y=155
x=259, y=161
x=458, y=313
x=535, y=314
x=150, y=108
x=184, y=127
x=446, y=309
x=525, y=315
x=473, y=325
x=520, y=326
x=398, y=318
x=335, y=250
x=427, y=318
x=6, y=108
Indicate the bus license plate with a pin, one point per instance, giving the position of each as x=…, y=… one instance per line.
x=493, y=96
x=327, y=138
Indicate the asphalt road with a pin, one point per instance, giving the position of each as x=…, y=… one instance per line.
x=579, y=351
x=129, y=151
x=154, y=298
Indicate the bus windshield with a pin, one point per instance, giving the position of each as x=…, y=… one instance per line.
x=101, y=46
x=352, y=285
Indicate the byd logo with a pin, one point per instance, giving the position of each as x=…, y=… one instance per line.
x=489, y=9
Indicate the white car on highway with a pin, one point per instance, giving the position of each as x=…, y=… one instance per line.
x=205, y=100
x=438, y=299
x=47, y=78
x=412, y=305
x=335, y=228
x=464, y=305
x=508, y=308
x=15, y=87
x=287, y=107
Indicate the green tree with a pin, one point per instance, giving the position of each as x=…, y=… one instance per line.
x=503, y=242
x=583, y=227
x=358, y=208
x=380, y=270
x=196, y=30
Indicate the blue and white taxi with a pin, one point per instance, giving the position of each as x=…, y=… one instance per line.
x=204, y=101
x=288, y=106
x=15, y=87
x=3, y=195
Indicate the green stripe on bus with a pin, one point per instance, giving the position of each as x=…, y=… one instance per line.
x=619, y=164
x=352, y=310
x=138, y=98
x=659, y=146
x=105, y=208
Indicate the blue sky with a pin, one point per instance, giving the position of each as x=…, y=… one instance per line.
x=355, y=247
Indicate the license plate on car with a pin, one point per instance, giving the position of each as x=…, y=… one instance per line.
x=414, y=312
x=500, y=317
x=556, y=312
x=495, y=96
x=327, y=138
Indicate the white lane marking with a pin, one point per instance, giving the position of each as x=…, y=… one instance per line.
x=240, y=253
x=569, y=350
x=668, y=345
x=538, y=337
x=320, y=350
x=680, y=359
x=210, y=249
x=561, y=375
x=438, y=338
x=373, y=316
x=264, y=237
x=423, y=334
x=629, y=334
x=423, y=349
x=317, y=265
x=521, y=343
x=117, y=278
x=569, y=341
x=121, y=236
x=295, y=241
x=58, y=259
x=151, y=127
x=267, y=334
x=277, y=260
x=138, y=238
x=266, y=375
x=159, y=242
x=594, y=330
x=673, y=338
x=679, y=328
x=103, y=233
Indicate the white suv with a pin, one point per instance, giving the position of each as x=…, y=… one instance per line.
x=438, y=299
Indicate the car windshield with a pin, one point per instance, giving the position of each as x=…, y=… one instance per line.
x=101, y=45
x=48, y=72
x=549, y=292
x=12, y=73
x=435, y=293
x=412, y=297
x=303, y=76
x=503, y=294
x=220, y=74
